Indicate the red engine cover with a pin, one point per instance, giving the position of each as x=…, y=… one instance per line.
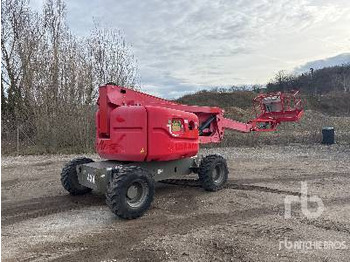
x=145, y=133
x=172, y=134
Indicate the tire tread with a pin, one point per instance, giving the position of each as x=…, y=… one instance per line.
x=205, y=172
x=69, y=177
x=115, y=192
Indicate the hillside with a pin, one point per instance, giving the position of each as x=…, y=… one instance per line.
x=316, y=82
x=242, y=99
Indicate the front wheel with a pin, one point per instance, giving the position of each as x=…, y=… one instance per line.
x=130, y=192
x=213, y=172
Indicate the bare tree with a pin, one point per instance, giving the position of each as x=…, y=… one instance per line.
x=15, y=21
x=49, y=79
x=111, y=57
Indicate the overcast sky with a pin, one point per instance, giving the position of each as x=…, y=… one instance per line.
x=183, y=45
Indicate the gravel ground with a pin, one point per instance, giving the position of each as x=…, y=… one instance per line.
x=243, y=222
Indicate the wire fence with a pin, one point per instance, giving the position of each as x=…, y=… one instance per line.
x=72, y=132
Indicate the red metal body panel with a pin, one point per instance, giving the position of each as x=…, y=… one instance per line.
x=133, y=126
x=145, y=133
x=167, y=144
x=103, y=121
x=127, y=139
x=124, y=96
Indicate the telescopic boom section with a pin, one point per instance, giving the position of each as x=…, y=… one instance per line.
x=271, y=110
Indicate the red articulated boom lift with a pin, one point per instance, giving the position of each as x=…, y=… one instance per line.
x=145, y=139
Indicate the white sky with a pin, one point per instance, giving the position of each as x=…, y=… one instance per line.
x=182, y=46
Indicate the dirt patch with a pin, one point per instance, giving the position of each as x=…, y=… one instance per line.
x=243, y=222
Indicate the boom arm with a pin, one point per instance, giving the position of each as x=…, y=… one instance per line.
x=271, y=110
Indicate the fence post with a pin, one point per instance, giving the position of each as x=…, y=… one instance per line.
x=17, y=140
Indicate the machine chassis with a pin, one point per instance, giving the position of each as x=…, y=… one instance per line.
x=96, y=175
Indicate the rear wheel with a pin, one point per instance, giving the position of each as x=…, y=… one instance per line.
x=213, y=172
x=130, y=192
x=69, y=176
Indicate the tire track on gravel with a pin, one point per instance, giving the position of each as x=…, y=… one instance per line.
x=299, y=178
x=196, y=183
x=131, y=235
x=327, y=224
x=17, y=211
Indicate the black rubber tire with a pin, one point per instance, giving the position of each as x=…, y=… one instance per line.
x=208, y=165
x=117, y=190
x=69, y=177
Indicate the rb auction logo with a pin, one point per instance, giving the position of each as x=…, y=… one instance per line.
x=303, y=199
